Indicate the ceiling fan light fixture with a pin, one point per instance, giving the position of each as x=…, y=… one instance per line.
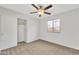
x=41, y=11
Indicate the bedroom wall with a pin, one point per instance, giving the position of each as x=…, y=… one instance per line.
x=69, y=34
x=8, y=27
x=67, y=37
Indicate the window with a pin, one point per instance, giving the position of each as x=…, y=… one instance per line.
x=54, y=25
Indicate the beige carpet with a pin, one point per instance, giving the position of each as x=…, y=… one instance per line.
x=39, y=48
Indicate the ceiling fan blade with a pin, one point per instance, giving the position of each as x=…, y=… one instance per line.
x=48, y=7
x=35, y=6
x=32, y=12
x=47, y=13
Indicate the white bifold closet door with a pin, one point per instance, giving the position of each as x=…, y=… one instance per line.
x=21, y=30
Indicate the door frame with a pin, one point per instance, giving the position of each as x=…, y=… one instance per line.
x=25, y=30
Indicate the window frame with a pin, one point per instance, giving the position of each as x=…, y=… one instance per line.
x=52, y=30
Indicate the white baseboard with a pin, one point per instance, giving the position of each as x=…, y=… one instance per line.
x=61, y=44
x=31, y=40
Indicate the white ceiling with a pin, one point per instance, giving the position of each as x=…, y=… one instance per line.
x=27, y=8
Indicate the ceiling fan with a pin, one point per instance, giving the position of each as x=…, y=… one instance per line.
x=41, y=10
